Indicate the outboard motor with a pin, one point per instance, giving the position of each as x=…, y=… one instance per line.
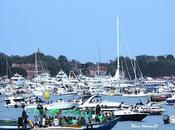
x=166, y=119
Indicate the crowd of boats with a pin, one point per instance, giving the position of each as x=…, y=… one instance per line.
x=19, y=91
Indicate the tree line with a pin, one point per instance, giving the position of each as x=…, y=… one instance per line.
x=142, y=65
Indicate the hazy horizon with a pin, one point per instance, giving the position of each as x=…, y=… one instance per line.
x=76, y=28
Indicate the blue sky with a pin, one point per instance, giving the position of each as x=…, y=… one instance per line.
x=74, y=28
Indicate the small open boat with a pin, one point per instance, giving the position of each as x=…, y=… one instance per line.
x=160, y=97
x=152, y=108
x=171, y=100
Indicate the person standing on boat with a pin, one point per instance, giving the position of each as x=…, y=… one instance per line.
x=41, y=113
x=24, y=117
x=97, y=110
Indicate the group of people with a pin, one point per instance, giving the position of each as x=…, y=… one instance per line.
x=44, y=120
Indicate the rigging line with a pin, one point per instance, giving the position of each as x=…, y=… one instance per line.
x=8, y=68
x=141, y=75
x=127, y=69
x=41, y=63
x=40, y=60
x=110, y=54
x=127, y=50
x=98, y=59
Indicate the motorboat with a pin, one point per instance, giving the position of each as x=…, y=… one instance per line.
x=14, y=102
x=159, y=97
x=17, y=101
x=61, y=75
x=18, y=79
x=130, y=115
x=171, y=100
x=60, y=104
x=80, y=100
x=136, y=95
x=2, y=91
x=63, y=90
x=151, y=108
x=95, y=100
x=135, y=92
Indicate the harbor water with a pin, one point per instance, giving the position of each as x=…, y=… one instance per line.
x=149, y=123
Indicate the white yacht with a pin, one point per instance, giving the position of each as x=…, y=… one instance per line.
x=95, y=100
x=60, y=104
x=171, y=100
x=14, y=102
x=18, y=79
x=61, y=76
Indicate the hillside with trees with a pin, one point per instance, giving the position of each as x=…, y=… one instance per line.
x=142, y=65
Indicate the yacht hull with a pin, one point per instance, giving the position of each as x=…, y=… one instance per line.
x=132, y=117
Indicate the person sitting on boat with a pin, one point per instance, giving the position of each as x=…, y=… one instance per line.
x=107, y=117
x=64, y=121
x=49, y=121
x=58, y=115
x=82, y=121
x=44, y=121
x=120, y=106
x=102, y=118
x=69, y=119
x=148, y=101
x=74, y=121
x=89, y=115
x=139, y=102
x=56, y=122
x=97, y=120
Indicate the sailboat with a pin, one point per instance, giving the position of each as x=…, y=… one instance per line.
x=116, y=78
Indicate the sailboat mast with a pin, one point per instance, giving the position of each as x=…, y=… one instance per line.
x=135, y=76
x=98, y=64
x=6, y=66
x=118, y=48
x=36, y=63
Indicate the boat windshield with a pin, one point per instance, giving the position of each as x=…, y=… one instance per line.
x=96, y=99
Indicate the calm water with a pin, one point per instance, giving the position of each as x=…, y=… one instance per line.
x=149, y=123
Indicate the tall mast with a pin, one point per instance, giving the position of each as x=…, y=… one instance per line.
x=98, y=64
x=6, y=66
x=36, y=63
x=118, y=48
